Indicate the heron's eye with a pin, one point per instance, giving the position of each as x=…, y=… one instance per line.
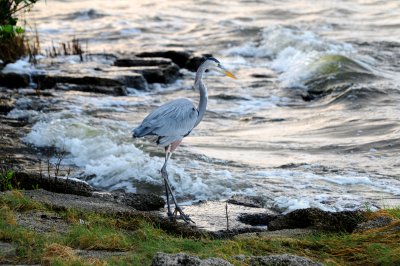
x=206, y=70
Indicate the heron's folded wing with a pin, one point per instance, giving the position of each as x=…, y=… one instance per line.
x=175, y=118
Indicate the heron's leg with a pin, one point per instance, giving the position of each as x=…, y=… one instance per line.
x=165, y=177
x=168, y=188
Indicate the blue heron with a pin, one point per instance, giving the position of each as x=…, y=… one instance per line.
x=174, y=120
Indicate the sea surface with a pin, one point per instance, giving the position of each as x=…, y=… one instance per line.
x=312, y=121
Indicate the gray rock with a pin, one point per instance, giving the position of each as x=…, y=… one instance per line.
x=14, y=80
x=345, y=221
x=178, y=57
x=282, y=260
x=182, y=259
x=380, y=221
x=7, y=249
x=248, y=201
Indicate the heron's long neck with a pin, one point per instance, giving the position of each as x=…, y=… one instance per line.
x=203, y=96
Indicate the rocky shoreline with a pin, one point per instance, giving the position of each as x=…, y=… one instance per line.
x=247, y=216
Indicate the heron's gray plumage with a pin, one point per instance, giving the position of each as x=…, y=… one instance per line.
x=171, y=121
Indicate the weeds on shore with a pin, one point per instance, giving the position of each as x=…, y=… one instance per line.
x=137, y=240
x=74, y=47
x=12, y=41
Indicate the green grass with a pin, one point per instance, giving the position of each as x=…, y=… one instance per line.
x=141, y=239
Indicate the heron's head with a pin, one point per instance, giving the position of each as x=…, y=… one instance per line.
x=210, y=63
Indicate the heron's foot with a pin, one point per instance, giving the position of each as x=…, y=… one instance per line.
x=170, y=214
x=181, y=215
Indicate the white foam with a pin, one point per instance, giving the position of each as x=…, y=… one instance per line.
x=292, y=50
x=105, y=149
x=21, y=66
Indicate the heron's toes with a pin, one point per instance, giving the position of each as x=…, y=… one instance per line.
x=182, y=215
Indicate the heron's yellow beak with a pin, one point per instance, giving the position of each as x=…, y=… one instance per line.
x=222, y=70
x=229, y=74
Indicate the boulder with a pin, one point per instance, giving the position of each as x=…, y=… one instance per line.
x=178, y=57
x=182, y=259
x=282, y=260
x=345, y=221
x=14, y=80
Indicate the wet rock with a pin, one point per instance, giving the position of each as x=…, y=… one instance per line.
x=345, y=221
x=194, y=62
x=6, y=105
x=25, y=180
x=377, y=222
x=248, y=201
x=7, y=249
x=182, y=259
x=138, y=61
x=256, y=219
x=162, y=74
x=14, y=80
x=178, y=57
x=108, y=79
x=111, y=90
x=141, y=202
x=282, y=260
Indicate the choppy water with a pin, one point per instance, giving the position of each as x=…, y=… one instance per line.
x=337, y=151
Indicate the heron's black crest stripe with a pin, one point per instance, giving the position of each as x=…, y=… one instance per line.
x=212, y=59
x=208, y=57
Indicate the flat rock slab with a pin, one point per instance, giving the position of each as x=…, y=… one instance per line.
x=42, y=222
x=65, y=201
x=182, y=259
x=99, y=254
x=282, y=260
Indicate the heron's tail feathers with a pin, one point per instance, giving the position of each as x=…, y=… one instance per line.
x=141, y=131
